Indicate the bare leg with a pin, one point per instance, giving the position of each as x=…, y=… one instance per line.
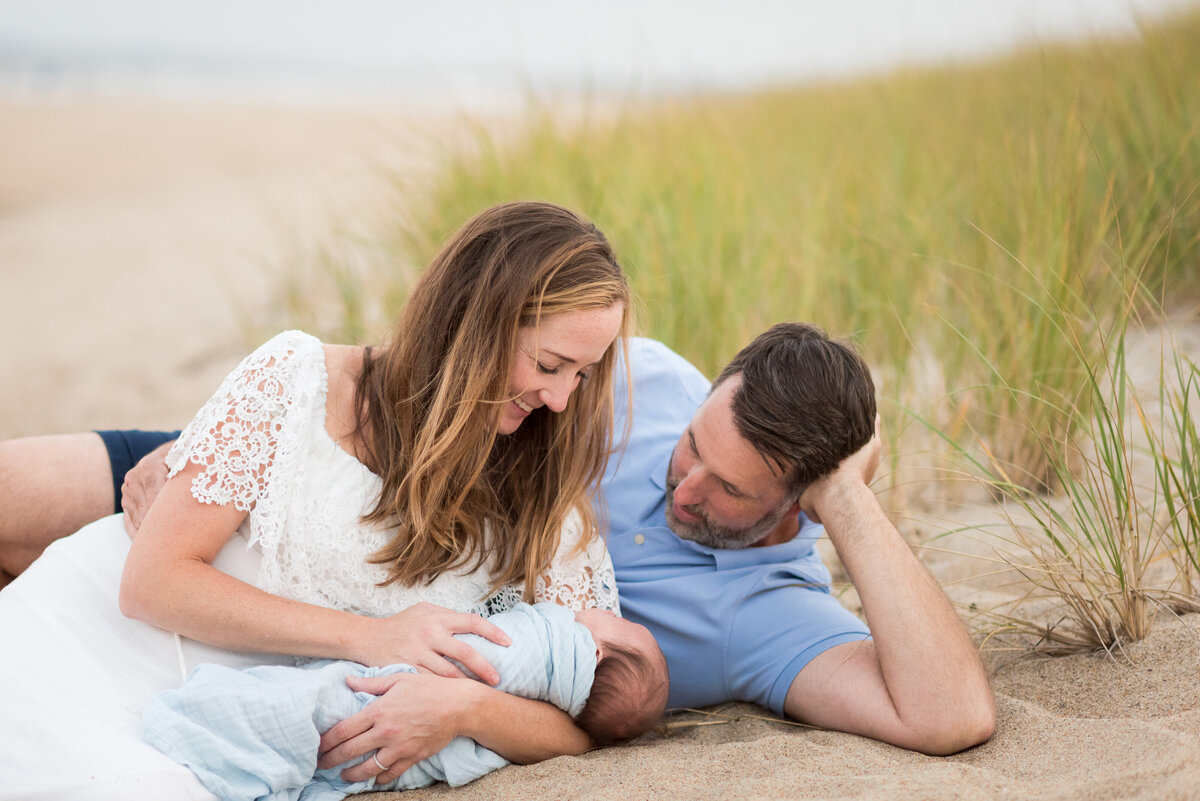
x=50, y=487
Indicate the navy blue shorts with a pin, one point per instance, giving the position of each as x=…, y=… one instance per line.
x=125, y=449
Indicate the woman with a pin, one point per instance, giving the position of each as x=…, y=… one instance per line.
x=451, y=466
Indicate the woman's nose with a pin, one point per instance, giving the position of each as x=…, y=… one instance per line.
x=556, y=395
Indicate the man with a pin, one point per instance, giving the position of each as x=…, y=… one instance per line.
x=712, y=555
x=712, y=532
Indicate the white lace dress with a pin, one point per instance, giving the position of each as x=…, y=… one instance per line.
x=75, y=673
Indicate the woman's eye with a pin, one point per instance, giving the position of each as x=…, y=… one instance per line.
x=547, y=370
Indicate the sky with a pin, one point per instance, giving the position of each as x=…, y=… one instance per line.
x=460, y=47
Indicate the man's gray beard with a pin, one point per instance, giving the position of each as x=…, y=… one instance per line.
x=713, y=536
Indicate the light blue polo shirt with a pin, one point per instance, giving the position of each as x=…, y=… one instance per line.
x=733, y=624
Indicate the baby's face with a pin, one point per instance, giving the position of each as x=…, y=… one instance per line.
x=608, y=629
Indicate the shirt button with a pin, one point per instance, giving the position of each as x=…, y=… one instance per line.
x=639, y=538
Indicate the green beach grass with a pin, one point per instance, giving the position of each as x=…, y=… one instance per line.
x=986, y=233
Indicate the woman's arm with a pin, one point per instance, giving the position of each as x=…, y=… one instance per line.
x=421, y=715
x=169, y=582
x=416, y=716
x=226, y=462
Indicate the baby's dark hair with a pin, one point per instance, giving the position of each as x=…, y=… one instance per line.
x=629, y=696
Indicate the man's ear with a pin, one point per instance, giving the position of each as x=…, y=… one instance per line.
x=797, y=507
x=794, y=509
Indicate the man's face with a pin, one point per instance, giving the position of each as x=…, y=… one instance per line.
x=720, y=491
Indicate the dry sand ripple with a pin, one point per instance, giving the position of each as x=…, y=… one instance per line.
x=1080, y=727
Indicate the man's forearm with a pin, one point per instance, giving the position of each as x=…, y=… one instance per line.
x=929, y=664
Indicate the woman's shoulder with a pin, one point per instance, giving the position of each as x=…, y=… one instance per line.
x=287, y=354
x=343, y=366
x=339, y=361
x=285, y=367
x=288, y=342
x=343, y=360
x=261, y=410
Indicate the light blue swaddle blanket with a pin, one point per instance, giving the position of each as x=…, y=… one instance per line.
x=254, y=733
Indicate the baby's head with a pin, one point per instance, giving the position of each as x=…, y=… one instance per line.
x=629, y=693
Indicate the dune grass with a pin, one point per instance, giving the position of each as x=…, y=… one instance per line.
x=1175, y=451
x=981, y=231
x=1116, y=544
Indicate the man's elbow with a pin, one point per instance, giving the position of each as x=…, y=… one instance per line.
x=969, y=724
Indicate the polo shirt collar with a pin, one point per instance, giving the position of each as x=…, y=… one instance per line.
x=659, y=476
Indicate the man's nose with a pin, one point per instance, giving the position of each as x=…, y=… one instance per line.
x=687, y=491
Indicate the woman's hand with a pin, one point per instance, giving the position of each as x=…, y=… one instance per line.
x=422, y=636
x=415, y=717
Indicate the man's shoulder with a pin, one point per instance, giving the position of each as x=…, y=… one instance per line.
x=667, y=389
x=658, y=369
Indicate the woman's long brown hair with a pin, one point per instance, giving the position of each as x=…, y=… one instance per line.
x=459, y=494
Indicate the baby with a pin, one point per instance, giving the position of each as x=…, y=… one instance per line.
x=254, y=733
x=629, y=690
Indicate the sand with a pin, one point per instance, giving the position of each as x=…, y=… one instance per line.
x=138, y=239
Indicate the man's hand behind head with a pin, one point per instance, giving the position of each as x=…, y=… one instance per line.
x=856, y=469
x=141, y=486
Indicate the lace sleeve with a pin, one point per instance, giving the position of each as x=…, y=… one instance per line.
x=238, y=436
x=578, y=579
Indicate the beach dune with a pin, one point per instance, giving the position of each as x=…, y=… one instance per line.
x=137, y=238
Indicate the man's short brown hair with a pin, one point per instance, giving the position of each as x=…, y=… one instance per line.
x=805, y=402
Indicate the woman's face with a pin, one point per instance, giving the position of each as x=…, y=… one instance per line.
x=553, y=357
